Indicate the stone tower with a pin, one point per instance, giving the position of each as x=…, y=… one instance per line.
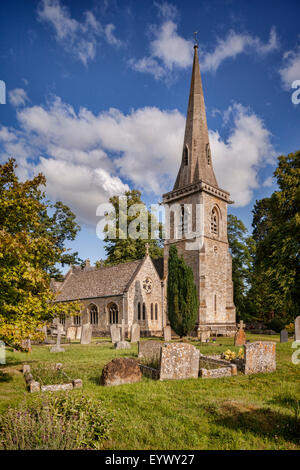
x=198, y=219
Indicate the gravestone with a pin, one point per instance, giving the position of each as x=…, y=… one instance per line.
x=71, y=333
x=297, y=329
x=149, y=349
x=122, y=345
x=115, y=333
x=135, y=333
x=179, y=361
x=167, y=333
x=260, y=356
x=78, y=332
x=240, y=336
x=204, y=336
x=26, y=344
x=57, y=348
x=123, y=330
x=284, y=336
x=86, y=334
x=121, y=371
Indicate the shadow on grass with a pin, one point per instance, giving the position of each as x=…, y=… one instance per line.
x=4, y=377
x=263, y=422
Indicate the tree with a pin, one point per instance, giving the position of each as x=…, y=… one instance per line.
x=31, y=243
x=122, y=248
x=242, y=249
x=181, y=295
x=276, y=224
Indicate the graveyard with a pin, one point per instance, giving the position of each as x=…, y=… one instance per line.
x=255, y=411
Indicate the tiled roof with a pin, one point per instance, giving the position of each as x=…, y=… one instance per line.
x=159, y=266
x=91, y=283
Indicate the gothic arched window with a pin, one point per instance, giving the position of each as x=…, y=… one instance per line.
x=156, y=310
x=144, y=311
x=214, y=221
x=113, y=313
x=208, y=155
x=185, y=156
x=139, y=310
x=93, y=315
x=151, y=311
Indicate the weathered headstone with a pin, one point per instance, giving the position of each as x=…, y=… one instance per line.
x=135, y=333
x=240, y=336
x=167, y=333
x=122, y=345
x=57, y=348
x=71, y=333
x=260, y=356
x=123, y=330
x=204, y=336
x=26, y=344
x=179, y=361
x=115, y=333
x=78, y=332
x=284, y=336
x=297, y=329
x=121, y=371
x=86, y=334
x=149, y=349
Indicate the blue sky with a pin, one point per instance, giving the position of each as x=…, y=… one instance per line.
x=97, y=94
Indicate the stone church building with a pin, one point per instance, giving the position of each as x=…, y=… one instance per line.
x=136, y=291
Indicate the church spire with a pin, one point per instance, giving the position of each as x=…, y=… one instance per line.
x=196, y=161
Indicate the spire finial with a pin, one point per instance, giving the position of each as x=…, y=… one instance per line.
x=195, y=39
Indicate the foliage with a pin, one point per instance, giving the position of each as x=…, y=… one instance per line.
x=122, y=248
x=49, y=374
x=290, y=328
x=31, y=244
x=182, y=295
x=276, y=224
x=60, y=421
x=242, y=249
x=276, y=324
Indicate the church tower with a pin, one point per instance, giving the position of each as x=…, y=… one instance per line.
x=198, y=219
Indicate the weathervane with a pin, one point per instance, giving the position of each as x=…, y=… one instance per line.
x=195, y=38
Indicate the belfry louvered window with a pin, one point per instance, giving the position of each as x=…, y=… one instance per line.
x=214, y=221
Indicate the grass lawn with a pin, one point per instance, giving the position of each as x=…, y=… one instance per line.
x=243, y=412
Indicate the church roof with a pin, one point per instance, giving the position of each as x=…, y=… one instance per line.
x=106, y=281
x=196, y=164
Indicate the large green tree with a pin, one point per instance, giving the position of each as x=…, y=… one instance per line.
x=31, y=245
x=181, y=295
x=276, y=230
x=121, y=246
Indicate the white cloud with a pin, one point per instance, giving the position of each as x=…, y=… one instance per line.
x=235, y=44
x=291, y=68
x=238, y=159
x=18, y=97
x=79, y=38
x=87, y=158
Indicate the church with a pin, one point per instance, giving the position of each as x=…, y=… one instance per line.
x=136, y=291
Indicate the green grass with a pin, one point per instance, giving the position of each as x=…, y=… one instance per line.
x=243, y=412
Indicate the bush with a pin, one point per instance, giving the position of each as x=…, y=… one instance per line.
x=55, y=421
x=276, y=324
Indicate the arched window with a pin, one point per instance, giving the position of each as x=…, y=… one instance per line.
x=185, y=156
x=151, y=311
x=93, y=315
x=139, y=310
x=144, y=311
x=184, y=219
x=156, y=311
x=77, y=320
x=214, y=221
x=208, y=154
x=62, y=319
x=113, y=313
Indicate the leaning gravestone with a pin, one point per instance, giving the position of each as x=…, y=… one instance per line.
x=260, y=356
x=78, y=332
x=135, y=333
x=179, y=361
x=71, y=333
x=122, y=345
x=167, y=333
x=57, y=348
x=297, y=329
x=115, y=333
x=149, y=349
x=86, y=334
x=284, y=336
x=121, y=371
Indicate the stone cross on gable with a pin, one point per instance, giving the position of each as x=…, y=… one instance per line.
x=241, y=325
